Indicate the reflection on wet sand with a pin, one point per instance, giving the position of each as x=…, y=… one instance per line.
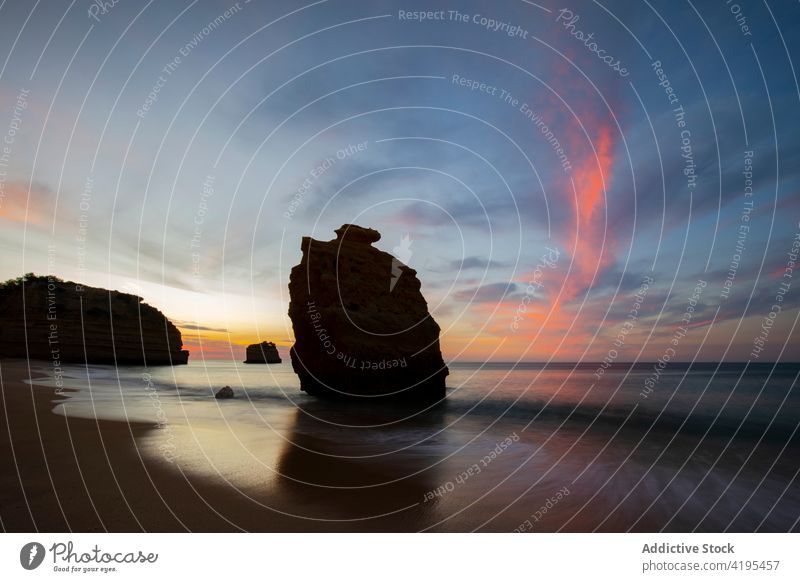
x=345, y=464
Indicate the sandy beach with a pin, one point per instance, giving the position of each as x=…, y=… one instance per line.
x=71, y=474
x=275, y=460
x=62, y=473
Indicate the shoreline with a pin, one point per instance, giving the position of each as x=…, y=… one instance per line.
x=77, y=473
x=64, y=474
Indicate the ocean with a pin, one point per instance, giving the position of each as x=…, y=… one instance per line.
x=515, y=447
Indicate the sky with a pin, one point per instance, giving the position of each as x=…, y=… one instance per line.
x=587, y=181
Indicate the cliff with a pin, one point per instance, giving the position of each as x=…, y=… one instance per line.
x=49, y=319
x=263, y=353
x=361, y=325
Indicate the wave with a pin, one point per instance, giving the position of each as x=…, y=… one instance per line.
x=772, y=424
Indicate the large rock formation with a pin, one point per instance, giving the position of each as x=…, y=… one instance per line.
x=361, y=324
x=49, y=319
x=263, y=353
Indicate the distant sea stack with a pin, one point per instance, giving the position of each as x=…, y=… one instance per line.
x=263, y=353
x=361, y=325
x=69, y=322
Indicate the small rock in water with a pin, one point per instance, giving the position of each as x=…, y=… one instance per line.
x=225, y=392
x=263, y=353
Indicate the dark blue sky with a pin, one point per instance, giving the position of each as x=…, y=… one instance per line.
x=192, y=144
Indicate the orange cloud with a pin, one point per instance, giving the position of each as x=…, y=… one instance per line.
x=547, y=330
x=210, y=349
x=590, y=244
x=18, y=204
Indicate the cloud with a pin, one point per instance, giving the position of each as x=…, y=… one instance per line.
x=211, y=349
x=490, y=293
x=185, y=325
x=476, y=263
x=18, y=203
x=590, y=244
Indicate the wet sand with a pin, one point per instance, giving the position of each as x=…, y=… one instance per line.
x=60, y=473
x=69, y=474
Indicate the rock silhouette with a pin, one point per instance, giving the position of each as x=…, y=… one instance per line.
x=263, y=353
x=224, y=393
x=362, y=327
x=60, y=321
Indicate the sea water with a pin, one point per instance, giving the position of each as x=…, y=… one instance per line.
x=515, y=447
